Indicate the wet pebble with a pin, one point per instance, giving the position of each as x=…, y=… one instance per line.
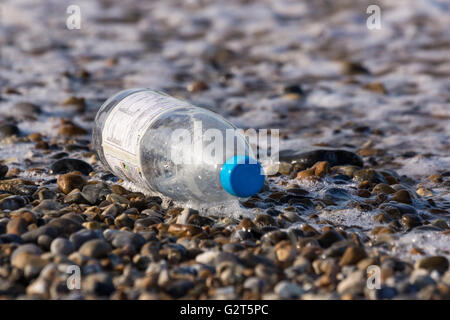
x=333, y=157
x=383, y=188
x=3, y=171
x=67, y=164
x=26, y=109
x=8, y=130
x=69, y=181
x=439, y=263
x=352, y=255
x=95, y=193
x=402, y=196
x=12, y=203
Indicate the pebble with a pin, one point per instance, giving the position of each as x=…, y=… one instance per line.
x=179, y=288
x=288, y=290
x=62, y=246
x=254, y=284
x=369, y=175
x=352, y=284
x=285, y=251
x=17, y=226
x=333, y=195
x=184, y=216
x=402, y=196
x=410, y=221
x=8, y=130
x=80, y=237
x=352, y=255
x=78, y=102
x=399, y=207
x=75, y=197
x=329, y=237
x=29, y=248
x=420, y=278
x=123, y=238
x=26, y=259
x=95, y=193
x=67, y=164
x=424, y=192
x=124, y=220
x=439, y=263
x=3, y=171
x=26, y=109
x=12, y=203
x=69, y=181
x=383, y=188
x=197, y=86
x=333, y=157
x=35, y=137
x=96, y=248
x=71, y=129
x=207, y=257
x=100, y=284
x=180, y=230
x=32, y=236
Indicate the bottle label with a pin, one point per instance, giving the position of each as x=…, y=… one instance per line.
x=126, y=125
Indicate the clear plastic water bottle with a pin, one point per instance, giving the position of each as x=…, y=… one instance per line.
x=149, y=138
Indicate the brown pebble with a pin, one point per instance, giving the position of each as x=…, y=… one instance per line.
x=382, y=230
x=439, y=263
x=285, y=251
x=80, y=103
x=415, y=250
x=17, y=226
x=118, y=189
x=124, y=220
x=71, y=130
x=35, y=137
x=245, y=224
x=352, y=255
x=377, y=87
x=197, y=86
x=390, y=179
x=42, y=145
x=365, y=185
x=180, y=230
x=306, y=174
x=364, y=193
x=321, y=168
x=436, y=178
x=424, y=192
x=69, y=181
x=368, y=152
x=383, y=188
x=402, y=196
x=410, y=221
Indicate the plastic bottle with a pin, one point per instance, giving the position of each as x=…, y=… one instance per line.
x=134, y=138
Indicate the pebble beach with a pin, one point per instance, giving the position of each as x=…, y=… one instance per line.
x=363, y=183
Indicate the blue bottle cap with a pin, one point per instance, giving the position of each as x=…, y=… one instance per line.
x=242, y=176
